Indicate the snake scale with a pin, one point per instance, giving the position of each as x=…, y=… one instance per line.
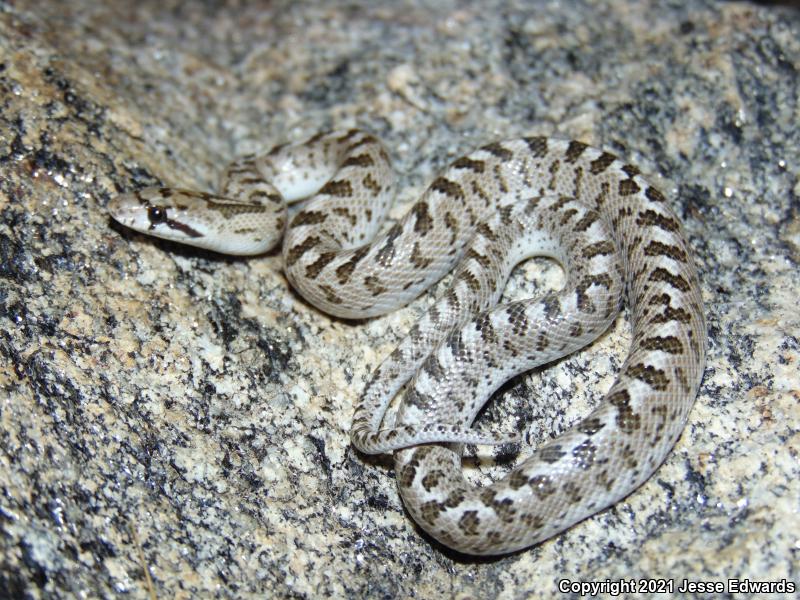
x=613, y=233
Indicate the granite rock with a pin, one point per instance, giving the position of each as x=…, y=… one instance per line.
x=174, y=423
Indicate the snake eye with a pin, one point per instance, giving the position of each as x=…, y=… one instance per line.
x=156, y=215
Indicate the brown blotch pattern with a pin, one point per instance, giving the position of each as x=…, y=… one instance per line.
x=480, y=192
x=374, y=285
x=628, y=187
x=476, y=166
x=567, y=215
x=590, y=426
x=484, y=325
x=329, y=294
x=431, y=479
x=359, y=160
x=574, y=151
x=370, y=183
x=551, y=453
x=655, y=378
x=631, y=170
x=469, y=522
x=542, y=486
x=601, y=163
x=654, y=195
x=499, y=151
x=295, y=253
x=423, y=222
x=339, y=189
x=587, y=221
x=448, y=188
x=517, y=319
x=584, y=454
x=470, y=280
x=604, y=248
x=670, y=314
x=669, y=344
x=344, y=212
x=313, y=270
x=663, y=275
x=430, y=511
x=553, y=170
x=504, y=509
x=656, y=248
x=537, y=146
x=680, y=375
x=345, y=271
x=484, y=230
x=627, y=420
x=502, y=186
x=385, y=255
x=484, y=261
x=417, y=259
x=650, y=218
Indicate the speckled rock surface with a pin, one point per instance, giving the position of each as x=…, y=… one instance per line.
x=174, y=423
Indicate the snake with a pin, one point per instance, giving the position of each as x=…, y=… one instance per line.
x=615, y=236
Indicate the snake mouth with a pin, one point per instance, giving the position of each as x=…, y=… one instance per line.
x=181, y=227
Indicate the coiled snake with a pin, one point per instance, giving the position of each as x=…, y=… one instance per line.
x=608, y=227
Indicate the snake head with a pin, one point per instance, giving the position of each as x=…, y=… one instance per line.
x=199, y=219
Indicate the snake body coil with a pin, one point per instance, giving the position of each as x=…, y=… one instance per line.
x=608, y=227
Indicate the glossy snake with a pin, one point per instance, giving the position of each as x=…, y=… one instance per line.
x=610, y=230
